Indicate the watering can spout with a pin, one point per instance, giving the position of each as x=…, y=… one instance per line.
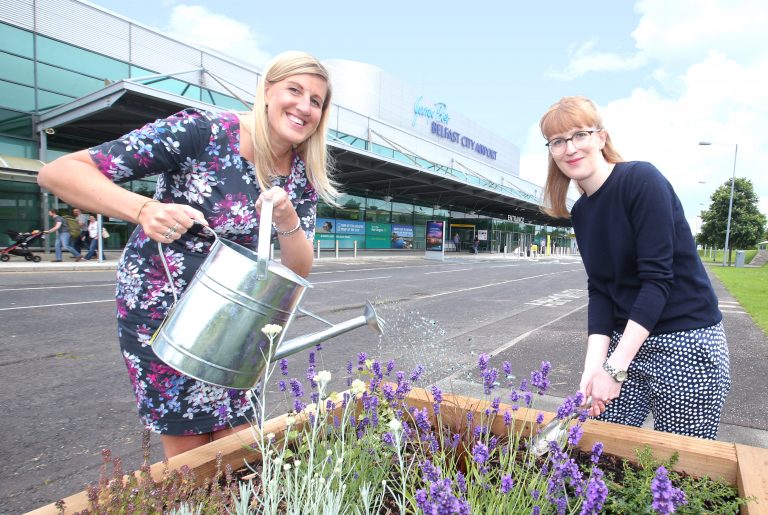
x=369, y=317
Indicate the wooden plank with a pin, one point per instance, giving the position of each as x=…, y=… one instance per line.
x=752, y=479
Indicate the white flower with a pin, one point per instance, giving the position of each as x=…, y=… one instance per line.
x=278, y=461
x=395, y=425
x=290, y=420
x=358, y=387
x=271, y=330
x=328, y=452
x=287, y=467
x=270, y=436
x=322, y=378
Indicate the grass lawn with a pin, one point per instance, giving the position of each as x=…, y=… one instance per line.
x=717, y=256
x=749, y=286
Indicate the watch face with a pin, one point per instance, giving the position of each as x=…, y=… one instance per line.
x=621, y=376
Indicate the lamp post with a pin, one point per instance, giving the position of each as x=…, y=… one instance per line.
x=730, y=202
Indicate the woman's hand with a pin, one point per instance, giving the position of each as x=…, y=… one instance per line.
x=283, y=213
x=165, y=223
x=601, y=386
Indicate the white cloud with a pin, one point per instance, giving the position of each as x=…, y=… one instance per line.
x=720, y=95
x=201, y=27
x=585, y=60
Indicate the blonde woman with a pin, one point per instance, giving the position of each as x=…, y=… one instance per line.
x=655, y=335
x=216, y=169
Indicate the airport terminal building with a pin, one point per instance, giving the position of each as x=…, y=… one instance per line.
x=73, y=75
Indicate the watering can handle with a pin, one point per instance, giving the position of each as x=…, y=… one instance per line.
x=265, y=236
x=196, y=229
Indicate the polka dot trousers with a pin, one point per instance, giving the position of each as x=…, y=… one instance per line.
x=681, y=378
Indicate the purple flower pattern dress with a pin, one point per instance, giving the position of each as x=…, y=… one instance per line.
x=196, y=156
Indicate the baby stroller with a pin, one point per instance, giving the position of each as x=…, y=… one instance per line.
x=21, y=247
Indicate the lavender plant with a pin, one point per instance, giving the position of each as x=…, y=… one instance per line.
x=366, y=450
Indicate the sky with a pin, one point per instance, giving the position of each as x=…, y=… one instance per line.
x=665, y=75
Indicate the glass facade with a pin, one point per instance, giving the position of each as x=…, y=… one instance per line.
x=38, y=72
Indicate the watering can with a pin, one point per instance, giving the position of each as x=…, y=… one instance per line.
x=214, y=331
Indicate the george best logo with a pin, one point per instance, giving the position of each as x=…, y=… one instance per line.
x=436, y=112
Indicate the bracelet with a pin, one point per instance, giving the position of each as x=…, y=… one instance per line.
x=142, y=208
x=288, y=233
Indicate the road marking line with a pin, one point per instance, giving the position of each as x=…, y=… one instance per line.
x=499, y=283
x=352, y=280
x=362, y=270
x=59, y=287
x=55, y=305
x=447, y=271
x=514, y=341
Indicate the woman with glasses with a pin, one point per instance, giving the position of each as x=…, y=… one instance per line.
x=655, y=337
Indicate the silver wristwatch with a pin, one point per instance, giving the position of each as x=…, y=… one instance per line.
x=619, y=375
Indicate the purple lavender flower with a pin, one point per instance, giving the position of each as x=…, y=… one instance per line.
x=430, y=472
x=455, y=440
x=376, y=368
x=507, y=483
x=390, y=366
x=597, y=451
x=596, y=495
x=421, y=417
x=540, y=418
x=480, y=453
x=489, y=380
x=416, y=374
x=284, y=366
x=312, y=358
x=574, y=434
x=536, y=510
x=482, y=362
x=281, y=386
x=666, y=498
x=461, y=482
x=297, y=388
x=389, y=392
x=441, y=500
x=507, y=418
x=349, y=367
x=361, y=357
x=388, y=439
x=507, y=368
x=437, y=394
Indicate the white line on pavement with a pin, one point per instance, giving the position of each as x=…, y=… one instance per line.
x=54, y=305
x=351, y=280
x=447, y=271
x=60, y=287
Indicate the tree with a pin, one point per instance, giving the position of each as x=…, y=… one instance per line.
x=748, y=224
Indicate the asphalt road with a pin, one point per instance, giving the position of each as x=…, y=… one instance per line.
x=66, y=395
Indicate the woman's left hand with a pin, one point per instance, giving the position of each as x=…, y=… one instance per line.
x=283, y=213
x=603, y=389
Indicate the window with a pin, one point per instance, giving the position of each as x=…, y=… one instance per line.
x=16, y=41
x=77, y=59
x=17, y=69
x=15, y=123
x=65, y=81
x=17, y=96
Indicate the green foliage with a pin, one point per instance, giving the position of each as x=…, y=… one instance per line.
x=747, y=285
x=139, y=493
x=748, y=224
x=631, y=494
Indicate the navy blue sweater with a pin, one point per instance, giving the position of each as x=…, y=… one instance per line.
x=640, y=256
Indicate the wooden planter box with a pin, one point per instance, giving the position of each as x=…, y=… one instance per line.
x=740, y=465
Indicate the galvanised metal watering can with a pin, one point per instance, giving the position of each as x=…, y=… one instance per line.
x=214, y=331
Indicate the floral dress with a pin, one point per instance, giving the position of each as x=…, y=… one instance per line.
x=196, y=155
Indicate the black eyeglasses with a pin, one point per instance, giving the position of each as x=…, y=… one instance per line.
x=580, y=139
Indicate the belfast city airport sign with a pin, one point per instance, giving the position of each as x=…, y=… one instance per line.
x=438, y=118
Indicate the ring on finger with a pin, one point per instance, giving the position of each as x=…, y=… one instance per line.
x=168, y=234
x=175, y=228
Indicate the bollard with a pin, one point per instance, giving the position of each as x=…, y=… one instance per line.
x=354, y=249
x=318, y=249
x=272, y=251
x=337, y=249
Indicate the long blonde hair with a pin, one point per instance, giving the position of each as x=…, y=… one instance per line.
x=564, y=115
x=313, y=151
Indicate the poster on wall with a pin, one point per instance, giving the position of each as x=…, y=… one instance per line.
x=482, y=234
x=402, y=236
x=435, y=235
x=325, y=226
